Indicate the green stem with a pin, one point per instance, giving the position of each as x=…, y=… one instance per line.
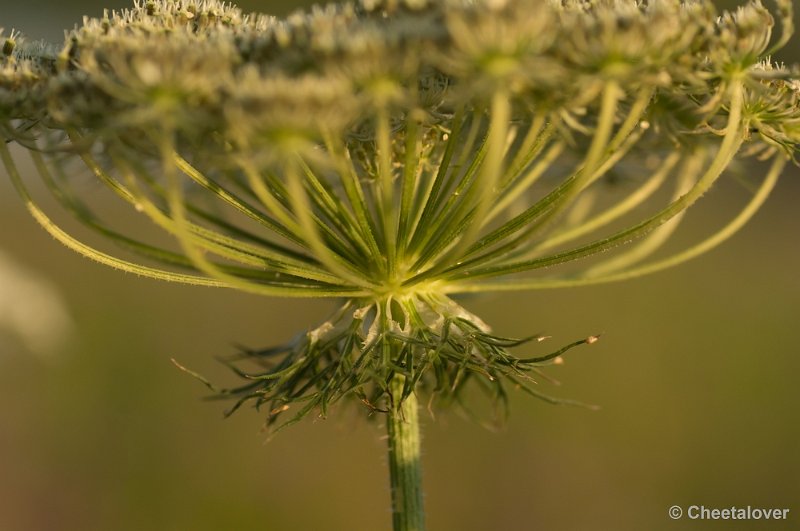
x=404, y=460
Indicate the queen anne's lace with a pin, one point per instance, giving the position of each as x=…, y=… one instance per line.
x=393, y=152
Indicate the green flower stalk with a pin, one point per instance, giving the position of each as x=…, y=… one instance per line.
x=392, y=154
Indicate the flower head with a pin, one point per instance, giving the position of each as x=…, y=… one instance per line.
x=394, y=152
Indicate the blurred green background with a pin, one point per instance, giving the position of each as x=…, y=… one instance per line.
x=696, y=374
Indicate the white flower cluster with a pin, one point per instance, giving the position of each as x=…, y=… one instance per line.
x=391, y=144
x=200, y=66
x=393, y=152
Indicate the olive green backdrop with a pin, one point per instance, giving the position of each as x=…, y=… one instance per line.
x=697, y=375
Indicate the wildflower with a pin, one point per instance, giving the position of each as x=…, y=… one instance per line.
x=397, y=152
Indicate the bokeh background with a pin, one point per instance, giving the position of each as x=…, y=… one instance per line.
x=697, y=375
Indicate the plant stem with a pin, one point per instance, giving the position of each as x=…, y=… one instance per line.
x=405, y=467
